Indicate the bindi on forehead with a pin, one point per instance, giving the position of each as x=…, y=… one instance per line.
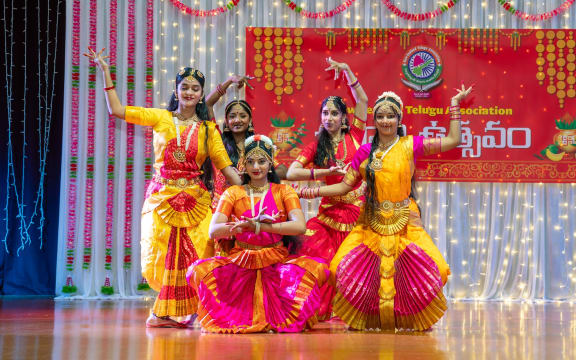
x=238, y=109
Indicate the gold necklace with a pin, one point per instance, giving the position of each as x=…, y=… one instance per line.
x=185, y=121
x=180, y=154
x=340, y=162
x=377, y=163
x=385, y=146
x=258, y=189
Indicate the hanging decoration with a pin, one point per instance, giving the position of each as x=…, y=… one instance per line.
x=366, y=38
x=321, y=14
x=281, y=66
x=405, y=36
x=556, y=63
x=422, y=16
x=149, y=101
x=475, y=39
x=516, y=37
x=440, y=36
x=330, y=36
x=69, y=287
x=91, y=143
x=539, y=17
x=111, y=143
x=205, y=13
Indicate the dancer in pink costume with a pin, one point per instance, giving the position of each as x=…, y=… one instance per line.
x=259, y=287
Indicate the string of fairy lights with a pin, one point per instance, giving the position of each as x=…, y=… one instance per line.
x=473, y=242
x=28, y=216
x=216, y=45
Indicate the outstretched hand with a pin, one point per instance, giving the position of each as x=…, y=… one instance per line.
x=336, y=66
x=240, y=80
x=462, y=93
x=97, y=58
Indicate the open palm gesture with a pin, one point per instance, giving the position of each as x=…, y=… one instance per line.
x=97, y=57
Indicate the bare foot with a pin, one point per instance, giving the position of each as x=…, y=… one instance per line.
x=154, y=321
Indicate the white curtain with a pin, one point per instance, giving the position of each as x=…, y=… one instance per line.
x=502, y=241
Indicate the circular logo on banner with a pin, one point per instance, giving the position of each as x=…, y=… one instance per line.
x=421, y=65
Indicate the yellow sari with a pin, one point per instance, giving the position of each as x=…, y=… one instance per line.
x=388, y=272
x=176, y=212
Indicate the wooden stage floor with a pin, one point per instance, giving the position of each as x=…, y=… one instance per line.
x=33, y=328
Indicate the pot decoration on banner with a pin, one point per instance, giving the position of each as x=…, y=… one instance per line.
x=282, y=132
x=564, y=145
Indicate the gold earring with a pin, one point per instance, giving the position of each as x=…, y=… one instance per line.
x=251, y=127
x=344, y=127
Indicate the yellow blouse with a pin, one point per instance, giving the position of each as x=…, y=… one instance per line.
x=164, y=130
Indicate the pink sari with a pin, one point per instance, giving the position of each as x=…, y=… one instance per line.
x=258, y=287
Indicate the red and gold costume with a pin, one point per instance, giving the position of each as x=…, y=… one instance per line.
x=337, y=215
x=176, y=212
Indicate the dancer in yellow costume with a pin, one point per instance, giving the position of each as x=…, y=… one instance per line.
x=388, y=273
x=176, y=213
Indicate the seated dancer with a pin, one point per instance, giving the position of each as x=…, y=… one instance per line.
x=259, y=287
x=176, y=212
x=238, y=126
x=338, y=141
x=388, y=272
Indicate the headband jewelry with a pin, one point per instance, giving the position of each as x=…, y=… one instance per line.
x=259, y=145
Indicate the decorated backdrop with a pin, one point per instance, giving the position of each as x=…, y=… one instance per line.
x=509, y=240
x=519, y=124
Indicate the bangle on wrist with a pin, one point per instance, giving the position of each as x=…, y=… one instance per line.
x=312, y=175
x=110, y=88
x=354, y=84
x=257, y=229
x=220, y=90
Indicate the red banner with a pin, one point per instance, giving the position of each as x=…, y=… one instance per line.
x=519, y=124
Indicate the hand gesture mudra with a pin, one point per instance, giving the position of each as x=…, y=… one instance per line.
x=241, y=80
x=97, y=58
x=462, y=93
x=339, y=170
x=336, y=66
